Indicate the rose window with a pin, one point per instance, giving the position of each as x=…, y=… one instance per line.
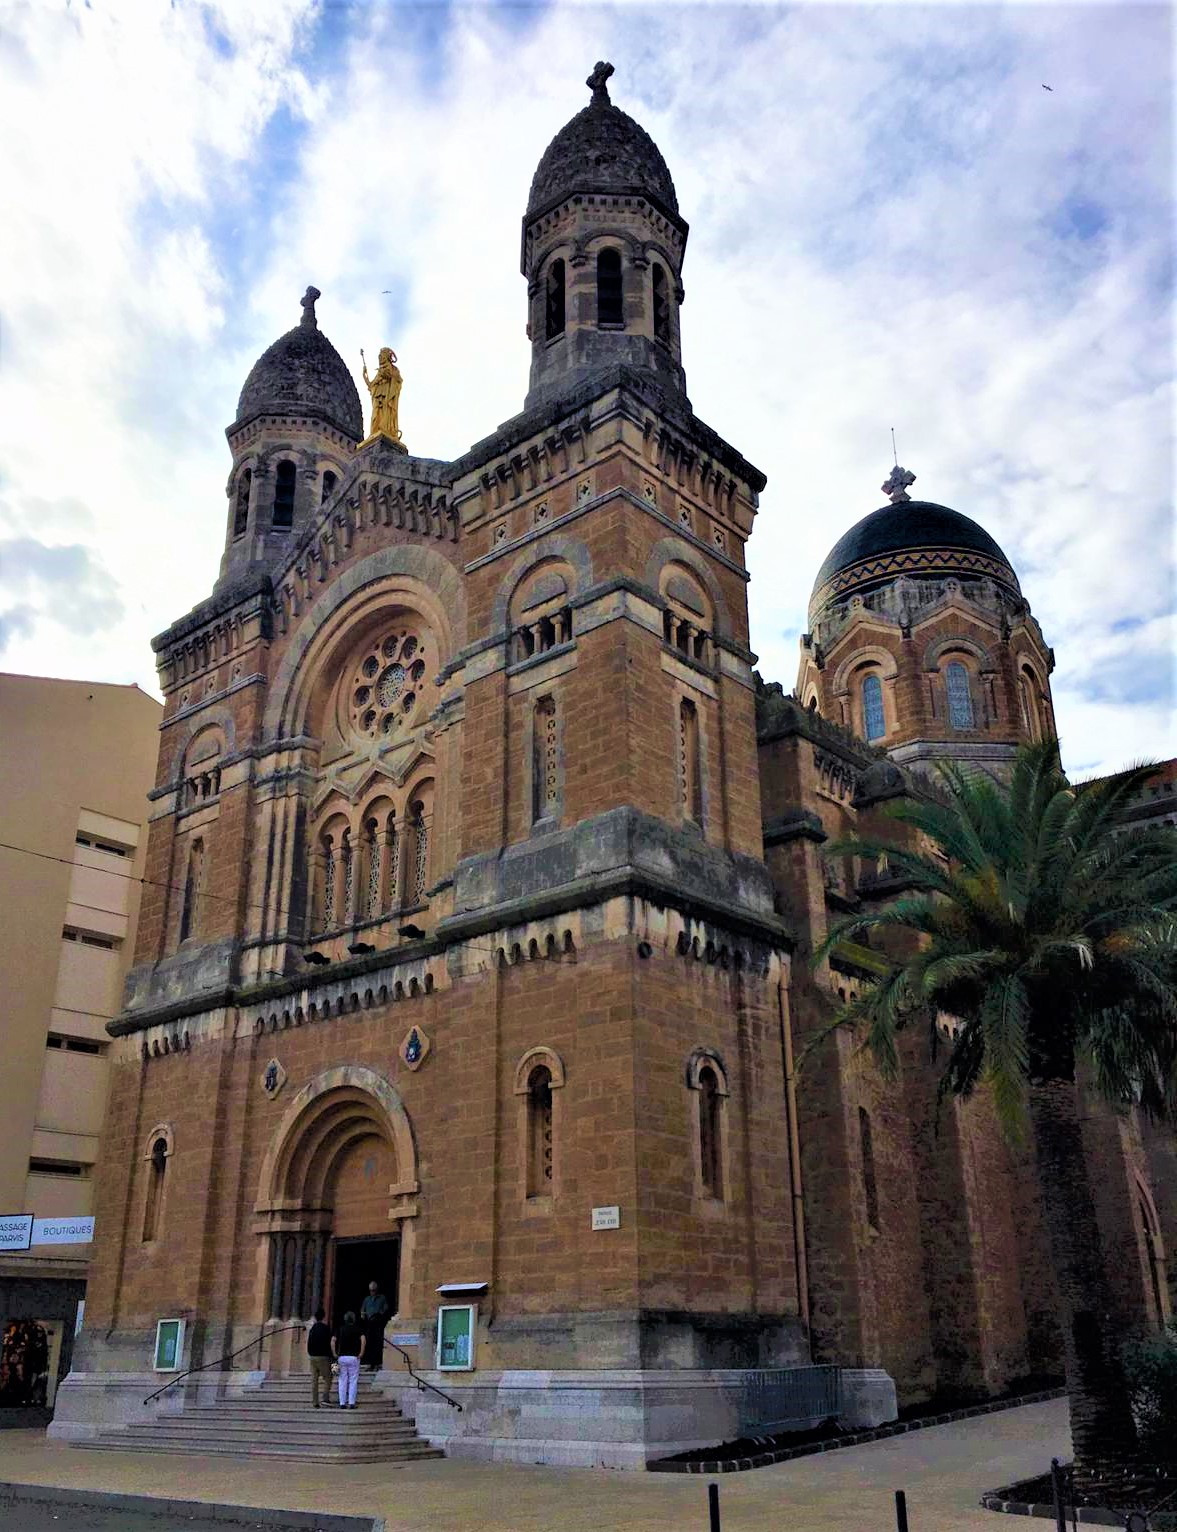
x=386, y=685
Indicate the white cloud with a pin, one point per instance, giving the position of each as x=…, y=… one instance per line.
x=892, y=224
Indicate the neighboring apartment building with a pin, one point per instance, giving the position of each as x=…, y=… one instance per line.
x=77, y=759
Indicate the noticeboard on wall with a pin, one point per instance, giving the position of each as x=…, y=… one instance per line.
x=455, y=1336
x=169, y=1345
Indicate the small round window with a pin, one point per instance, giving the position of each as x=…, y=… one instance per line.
x=386, y=685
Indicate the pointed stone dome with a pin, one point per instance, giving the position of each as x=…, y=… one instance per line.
x=602, y=150
x=302, y=371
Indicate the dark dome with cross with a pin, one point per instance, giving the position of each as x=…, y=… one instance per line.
x=303, y=371
x=602, y=150
x=914, y=537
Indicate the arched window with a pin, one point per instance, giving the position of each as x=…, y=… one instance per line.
x=539, y=1132
x=241, y=512
x=157, y=1169
x=418, y=868
x=609, y=306
x=1028, y=699
x=284, y=495
x=1154, y=1254
x=873, y=724
x=554, y=300
x=960, y=698
x=545, y=770
x=192, y=880
x=870, y=1190
x=710, y=1150
x=329, y=482
x=326, y=900
x=690, y=784
x=346, y=907
x=661, y=305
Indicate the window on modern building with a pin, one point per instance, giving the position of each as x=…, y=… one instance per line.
x=102, y=845
x=609, y=305
x=329, y=482
x=284, y=495
x=661, y=305
x=960, y=697
x=870, y=1190
x=554, y=300
x=690, y=775
x=241, y=511
x=710, y=1147
x=157, y=1169
x=873, y=723
x=545, y=767
x=89, y=938
x=192, y=880
x=539, y=1132
x=74, y=1168
x=74, y=1044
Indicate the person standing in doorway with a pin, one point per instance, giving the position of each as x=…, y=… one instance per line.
x=373, y=1317
x=319, y=1356
x=348, y=1346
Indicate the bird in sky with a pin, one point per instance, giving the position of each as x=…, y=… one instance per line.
x=1049, y=88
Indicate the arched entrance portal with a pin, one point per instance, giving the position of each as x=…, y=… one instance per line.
x=337, y=1196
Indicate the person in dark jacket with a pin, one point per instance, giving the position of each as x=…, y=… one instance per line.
x=319, y=1355
x=373, y=1317
x=348, y=1346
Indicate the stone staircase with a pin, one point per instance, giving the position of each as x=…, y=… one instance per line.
x=276, y=1420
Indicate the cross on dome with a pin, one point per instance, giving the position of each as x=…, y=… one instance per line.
x=309, y=299
x=598, y=83
x=896, y=484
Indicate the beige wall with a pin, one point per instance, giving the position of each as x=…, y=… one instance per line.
x=76, y=759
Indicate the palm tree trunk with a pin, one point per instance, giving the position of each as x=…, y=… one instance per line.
x=1102, y=1430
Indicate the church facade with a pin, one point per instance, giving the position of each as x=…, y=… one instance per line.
x=484, y=877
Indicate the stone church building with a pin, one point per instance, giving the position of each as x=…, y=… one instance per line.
x=485, y=875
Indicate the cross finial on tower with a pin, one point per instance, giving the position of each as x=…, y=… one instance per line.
x=309, y=299
x=895, y=485
x=598, y=83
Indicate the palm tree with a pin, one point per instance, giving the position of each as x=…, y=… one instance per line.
x=1047, y=931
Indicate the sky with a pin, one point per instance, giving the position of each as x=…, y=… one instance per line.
x=893, y=224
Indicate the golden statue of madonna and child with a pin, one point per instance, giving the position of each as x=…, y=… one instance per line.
x=385, y=388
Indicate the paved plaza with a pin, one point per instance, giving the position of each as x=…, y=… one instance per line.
x=944, y=1470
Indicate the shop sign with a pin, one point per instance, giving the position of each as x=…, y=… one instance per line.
x=63, y=1231
x=15, y=1230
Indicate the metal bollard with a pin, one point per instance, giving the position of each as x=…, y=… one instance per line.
x=713, y=1506
x=900, y=1511
x=1056, y=1487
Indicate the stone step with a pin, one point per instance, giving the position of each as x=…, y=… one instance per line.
x=410, y=1453
x=344, y=1430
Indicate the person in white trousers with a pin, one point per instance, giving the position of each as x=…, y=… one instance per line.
x=347, y=1346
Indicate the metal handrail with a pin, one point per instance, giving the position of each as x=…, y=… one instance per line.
x=228, y=1357
x=421, y=1383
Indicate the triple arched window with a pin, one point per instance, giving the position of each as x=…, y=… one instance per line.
x=372, y=865
x=874, y=723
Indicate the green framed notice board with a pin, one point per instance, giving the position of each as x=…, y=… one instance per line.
x=169, y=1345
x=455, y=1336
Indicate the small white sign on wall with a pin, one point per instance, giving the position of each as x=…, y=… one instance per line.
x=607, y=1218
x=63, y=1231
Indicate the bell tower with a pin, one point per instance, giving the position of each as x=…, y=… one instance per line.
x=602, y=252
x=298, y=423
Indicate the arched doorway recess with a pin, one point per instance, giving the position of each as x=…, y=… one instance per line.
x=337, y=1196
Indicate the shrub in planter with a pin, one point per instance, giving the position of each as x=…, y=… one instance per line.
x=1151, y=1368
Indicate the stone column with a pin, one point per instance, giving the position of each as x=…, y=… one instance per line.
x=277, y=1277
